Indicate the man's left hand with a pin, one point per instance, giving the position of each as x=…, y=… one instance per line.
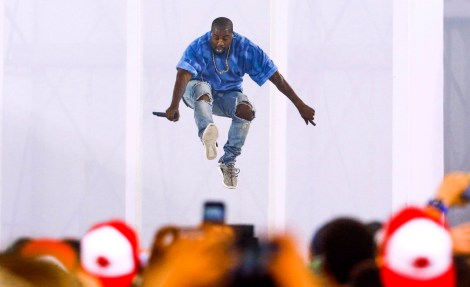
x=307, y=113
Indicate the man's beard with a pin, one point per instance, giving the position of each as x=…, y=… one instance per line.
x=219, y=50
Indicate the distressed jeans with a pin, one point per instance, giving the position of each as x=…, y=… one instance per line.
x=224, y=104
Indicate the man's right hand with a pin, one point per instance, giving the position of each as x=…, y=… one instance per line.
x=172, y=114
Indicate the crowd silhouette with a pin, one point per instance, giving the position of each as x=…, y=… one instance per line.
x=415, y=247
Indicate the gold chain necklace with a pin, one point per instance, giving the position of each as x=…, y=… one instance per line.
x=227, y=67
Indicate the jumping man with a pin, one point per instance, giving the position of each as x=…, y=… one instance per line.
x=209, y=79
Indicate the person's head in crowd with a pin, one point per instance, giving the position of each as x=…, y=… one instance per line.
x=15, y=247
x=62, y=253
x=110, y=251
x=416, y=251
x=17, y=271
x=338, y=246
x=54, y=250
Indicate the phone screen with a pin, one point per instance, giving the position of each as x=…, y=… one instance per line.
x=214, y=212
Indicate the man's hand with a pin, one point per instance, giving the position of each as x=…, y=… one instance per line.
x=182, y=79
x=172, y=114
x=283, y=86
x=307, y=113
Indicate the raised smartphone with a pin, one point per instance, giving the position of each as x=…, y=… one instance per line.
x=214, y=212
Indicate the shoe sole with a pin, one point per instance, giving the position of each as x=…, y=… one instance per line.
x=223, y=182
x=209, y=140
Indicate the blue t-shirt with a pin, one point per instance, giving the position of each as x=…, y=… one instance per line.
x=245, y=58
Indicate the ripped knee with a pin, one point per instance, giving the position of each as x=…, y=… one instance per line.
x=245, y=111
x=205, y=98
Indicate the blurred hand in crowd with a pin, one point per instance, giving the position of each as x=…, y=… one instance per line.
x=452, y=187
x=288, y=268
x=461, y=238
x=197, y=260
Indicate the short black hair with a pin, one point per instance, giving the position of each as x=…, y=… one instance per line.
x=222, y=23
x=342, y=243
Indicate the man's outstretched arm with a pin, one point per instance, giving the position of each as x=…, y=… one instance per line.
x=306, y=112
x=182, y=79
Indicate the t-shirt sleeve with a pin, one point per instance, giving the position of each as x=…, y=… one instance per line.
x=189, y=62
x=259, y=66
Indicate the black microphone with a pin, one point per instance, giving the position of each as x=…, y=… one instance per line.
x=160, y=114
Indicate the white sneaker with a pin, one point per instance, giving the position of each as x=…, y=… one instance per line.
x=209, y=140
x=229, y=174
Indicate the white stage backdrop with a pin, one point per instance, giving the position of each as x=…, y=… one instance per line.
x=457, y=92
x=177, y=178
x=339, y=61
x=64, y=117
